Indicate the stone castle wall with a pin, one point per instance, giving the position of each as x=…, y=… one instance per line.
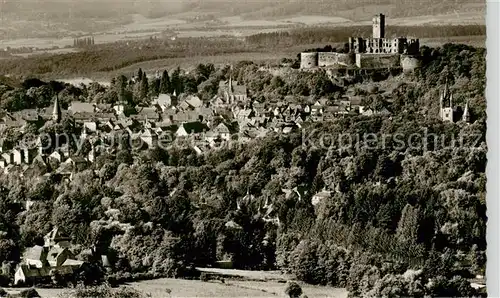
x=332, y=59
x=312, y=60
x=378, y=60
x=308, y=60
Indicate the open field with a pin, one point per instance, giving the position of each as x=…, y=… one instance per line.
x=277, y=289
x=247, y=274
x=231, y=288
x=237, y=283
x=167, y=287
x=141, y=23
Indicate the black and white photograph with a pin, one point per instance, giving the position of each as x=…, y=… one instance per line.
x=233, y=148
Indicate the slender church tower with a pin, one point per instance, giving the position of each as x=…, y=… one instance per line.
x=56, y=112
x=446, y=113
x=230, y=83
x=466, y=114
x=230, y=89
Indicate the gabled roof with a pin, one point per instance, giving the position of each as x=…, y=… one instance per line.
x=186, y=116
x=225, y=128
x=37, y=253
x=205, y=111
x=75, y=159
x=104, y=107
x=194, y=127
x=194, y=101
x=72, y=263
x=185, y=105
x=54, y=252
x=83, y=115
x=57, y=234
x=56, y=154
x=90, y=125
x=148, y=133
x=222, y=128
x=244, y=113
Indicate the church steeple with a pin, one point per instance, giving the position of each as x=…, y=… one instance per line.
x=441, y=100
x=56, y=113
x=446, y=90
x=466, y=115
x=231, y=79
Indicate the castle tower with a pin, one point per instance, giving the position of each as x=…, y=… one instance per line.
x=379, y=26
x=56, y=113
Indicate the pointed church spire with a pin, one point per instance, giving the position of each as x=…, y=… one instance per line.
x=56, y=113
x=441, y=100
x=446, y=90
x=231, y=79
x=466, y=115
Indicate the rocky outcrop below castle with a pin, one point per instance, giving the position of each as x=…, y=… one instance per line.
x=410, y=62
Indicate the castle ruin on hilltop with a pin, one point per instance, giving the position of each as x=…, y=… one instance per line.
x=369, y=53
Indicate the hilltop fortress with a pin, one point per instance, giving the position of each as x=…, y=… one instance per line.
x=369, y=53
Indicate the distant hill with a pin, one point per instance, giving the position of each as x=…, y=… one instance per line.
x=57, y=18
x=255, y=9
x=351, y=9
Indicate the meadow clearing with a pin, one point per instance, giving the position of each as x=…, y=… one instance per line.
x=237, y=283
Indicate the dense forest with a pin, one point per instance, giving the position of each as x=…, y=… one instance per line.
x=114, y=56
x=399, y=220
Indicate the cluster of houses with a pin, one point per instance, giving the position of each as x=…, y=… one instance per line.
x=230, y=116
x=41, y=262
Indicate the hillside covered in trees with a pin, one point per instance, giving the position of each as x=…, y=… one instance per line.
x=114, y=57
x=397, y=220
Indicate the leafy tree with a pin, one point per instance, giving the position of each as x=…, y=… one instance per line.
x=293, y=290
